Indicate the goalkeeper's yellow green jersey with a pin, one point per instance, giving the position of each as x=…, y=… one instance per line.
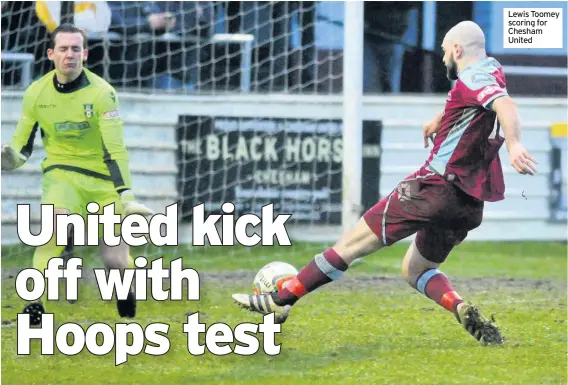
x=80, y=126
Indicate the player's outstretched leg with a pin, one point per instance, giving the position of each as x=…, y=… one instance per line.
x=321, y=270
x=423, y=275
x=118, y=257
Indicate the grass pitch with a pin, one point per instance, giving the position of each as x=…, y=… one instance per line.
x=370, y=327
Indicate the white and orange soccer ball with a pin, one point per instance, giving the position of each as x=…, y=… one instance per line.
x=273, y=277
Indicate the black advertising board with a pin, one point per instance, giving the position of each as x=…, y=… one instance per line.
x=295, y=164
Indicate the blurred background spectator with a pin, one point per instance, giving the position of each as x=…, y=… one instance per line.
x=297, y=46
x=165, y=35
x=386, y=22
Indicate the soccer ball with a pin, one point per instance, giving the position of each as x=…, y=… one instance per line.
x=273, y=277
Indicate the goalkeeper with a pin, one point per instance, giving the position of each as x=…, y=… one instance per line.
x=77, y=114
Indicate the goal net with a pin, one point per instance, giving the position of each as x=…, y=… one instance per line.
x=186, y=47
x=199, y=148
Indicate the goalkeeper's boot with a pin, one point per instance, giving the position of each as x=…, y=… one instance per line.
x=477, y=325
x=36, y=311
x=263, y=304
x=127, y=307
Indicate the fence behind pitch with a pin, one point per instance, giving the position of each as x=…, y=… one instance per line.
x=151, y=124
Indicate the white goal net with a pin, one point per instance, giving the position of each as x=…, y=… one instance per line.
x=185, y=47
x=181, y=88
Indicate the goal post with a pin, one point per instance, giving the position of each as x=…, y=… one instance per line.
x=352, y=113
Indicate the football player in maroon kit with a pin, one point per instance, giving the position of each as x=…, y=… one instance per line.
x=443, y=200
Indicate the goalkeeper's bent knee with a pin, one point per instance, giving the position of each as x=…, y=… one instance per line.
x=43, y=254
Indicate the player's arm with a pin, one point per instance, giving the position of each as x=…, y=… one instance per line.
x=484, y=90
x=112, y=133
x=19, y=150
x=432, y=127
x=508, y=116
x=115, y=152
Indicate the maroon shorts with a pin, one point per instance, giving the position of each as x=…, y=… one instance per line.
x=438, y=212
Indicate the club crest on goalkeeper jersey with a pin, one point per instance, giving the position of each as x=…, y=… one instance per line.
x=80, y=126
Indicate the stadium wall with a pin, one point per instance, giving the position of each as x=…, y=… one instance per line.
x=150, y=122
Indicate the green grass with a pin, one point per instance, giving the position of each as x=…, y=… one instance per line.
x=474, y=259
x=358, y=331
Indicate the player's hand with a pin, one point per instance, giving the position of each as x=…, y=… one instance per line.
x=11, y=159
x=521, y=160
x=429, y=129
x=137, y=208
x=131, y=206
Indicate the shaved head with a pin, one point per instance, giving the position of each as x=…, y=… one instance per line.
x=469, y=35
x=463, y=44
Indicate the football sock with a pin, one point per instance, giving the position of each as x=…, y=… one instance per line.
x=435, y=285
x=324, y=268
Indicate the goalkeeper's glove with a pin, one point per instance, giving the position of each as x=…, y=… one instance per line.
x=11, y=159
x=131, y=206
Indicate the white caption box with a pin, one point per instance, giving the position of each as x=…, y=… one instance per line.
x=533, y=28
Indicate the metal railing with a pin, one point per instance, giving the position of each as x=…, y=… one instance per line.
x=27, y=60
x=245, y=40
